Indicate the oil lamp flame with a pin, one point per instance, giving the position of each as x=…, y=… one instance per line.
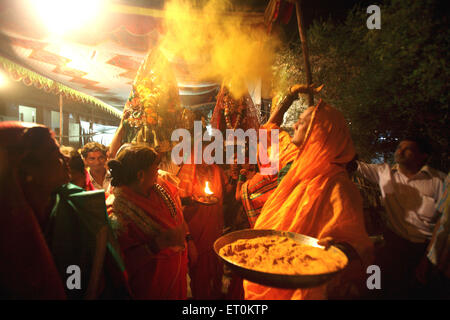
x=207, y=189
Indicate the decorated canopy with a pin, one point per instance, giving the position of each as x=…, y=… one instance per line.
x=101, y=61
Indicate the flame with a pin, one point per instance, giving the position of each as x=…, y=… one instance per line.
x=207, y=189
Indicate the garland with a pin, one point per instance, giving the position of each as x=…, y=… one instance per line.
x=30, y=78
x=229, y=102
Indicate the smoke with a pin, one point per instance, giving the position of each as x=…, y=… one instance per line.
x=217, y=45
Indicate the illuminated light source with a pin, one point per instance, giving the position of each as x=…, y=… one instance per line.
x=3, y=80
x=80, y=58
x=62, y=16
x=207, y=189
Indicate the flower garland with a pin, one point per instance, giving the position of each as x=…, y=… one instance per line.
x=144, y=100
x=140, y=107
x=230, y=102
x=30, y=78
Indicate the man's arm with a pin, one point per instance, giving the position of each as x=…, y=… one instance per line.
x=241, y=180
x=369, y=171
x=117, y=140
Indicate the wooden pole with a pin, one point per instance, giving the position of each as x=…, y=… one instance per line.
x=60, y=118
x=305, y=51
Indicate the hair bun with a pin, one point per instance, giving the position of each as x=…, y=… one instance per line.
x=115, y=168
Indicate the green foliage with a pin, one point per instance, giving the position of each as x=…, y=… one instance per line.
x=385, y=81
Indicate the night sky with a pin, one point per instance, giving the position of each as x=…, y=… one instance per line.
x=314, y=10
x=337, y=10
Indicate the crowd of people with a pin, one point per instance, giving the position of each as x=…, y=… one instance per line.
x=137, y=232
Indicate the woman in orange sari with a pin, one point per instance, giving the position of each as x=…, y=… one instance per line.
x=317, y=198
x=255, y=191
x=146, y=214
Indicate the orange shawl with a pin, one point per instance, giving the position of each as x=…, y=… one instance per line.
x=287, y=151
x=316, y=198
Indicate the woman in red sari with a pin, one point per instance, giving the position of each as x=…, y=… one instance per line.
x=48, y=225
x=146, y=215
x=206, y=226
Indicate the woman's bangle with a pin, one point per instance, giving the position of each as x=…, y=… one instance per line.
x=189, y=237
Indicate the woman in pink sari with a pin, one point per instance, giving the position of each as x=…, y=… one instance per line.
x=146, y=214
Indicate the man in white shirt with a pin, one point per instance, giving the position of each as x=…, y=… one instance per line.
x=409, y=190
x=94, y=156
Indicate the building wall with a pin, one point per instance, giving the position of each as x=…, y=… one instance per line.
x=8, y=111
x=47, y=116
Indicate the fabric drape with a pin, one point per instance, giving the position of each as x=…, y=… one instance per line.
x=256, y=191
x=27, y=268
x=80, y=234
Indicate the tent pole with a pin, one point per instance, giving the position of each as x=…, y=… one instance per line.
x=60, y=118
x=305, y=51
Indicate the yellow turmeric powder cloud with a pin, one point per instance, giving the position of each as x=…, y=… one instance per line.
x=217, y=44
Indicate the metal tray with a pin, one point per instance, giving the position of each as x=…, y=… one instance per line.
x=275, y=279
x=213, y=200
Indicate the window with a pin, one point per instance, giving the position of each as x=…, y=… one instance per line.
x=27, y=114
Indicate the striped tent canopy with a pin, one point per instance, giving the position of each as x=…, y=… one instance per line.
x=99, y=62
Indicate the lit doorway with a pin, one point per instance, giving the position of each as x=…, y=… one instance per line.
x=27, y=114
